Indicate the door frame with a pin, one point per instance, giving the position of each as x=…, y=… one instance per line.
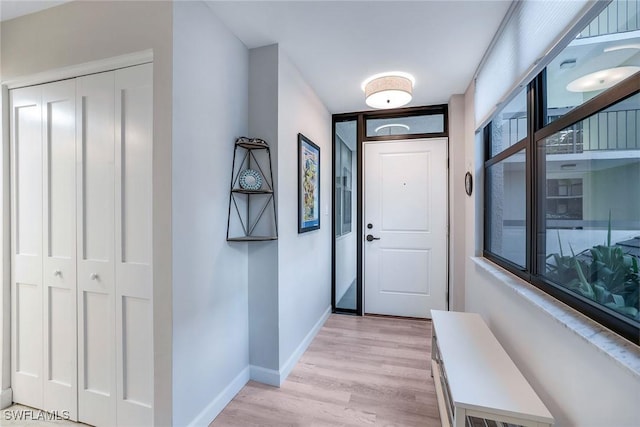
x=361, y=118
x=92, y=67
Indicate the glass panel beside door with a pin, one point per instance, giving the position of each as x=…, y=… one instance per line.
x=345, y=173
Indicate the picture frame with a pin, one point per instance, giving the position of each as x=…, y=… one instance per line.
x=308, y=185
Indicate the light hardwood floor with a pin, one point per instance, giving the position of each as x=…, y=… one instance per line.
x=358, y=371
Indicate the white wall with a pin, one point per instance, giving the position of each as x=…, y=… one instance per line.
x=263, y=256
x=295, y=269
x=210, y=298
x=304, y=262
x=579, y=383
x=457, y=200
x=79, y=32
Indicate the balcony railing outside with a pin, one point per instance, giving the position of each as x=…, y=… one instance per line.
x=609, y=130
x=620, y=16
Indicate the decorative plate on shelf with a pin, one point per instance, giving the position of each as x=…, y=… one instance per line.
x=250, y=180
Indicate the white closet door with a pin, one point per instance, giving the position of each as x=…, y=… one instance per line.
x=95, y=240
x=26, y=246
x=59, y=225
x=134, y=278
x=82, y=283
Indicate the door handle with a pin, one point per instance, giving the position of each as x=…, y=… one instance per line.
x=57, y=273
x=94, y=276
x=370, y=238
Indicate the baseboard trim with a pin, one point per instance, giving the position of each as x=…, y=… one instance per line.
x=265, y=376
x=216, y=406
x=6, y=398
x=288, y=366
x=276, y=378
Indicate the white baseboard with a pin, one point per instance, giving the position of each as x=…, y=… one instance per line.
x=265, y=376
x=6, y=398
x=288, y=366
x=216, y=406
x=276, y=378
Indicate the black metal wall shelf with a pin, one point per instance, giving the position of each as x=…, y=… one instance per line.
x=252, y=211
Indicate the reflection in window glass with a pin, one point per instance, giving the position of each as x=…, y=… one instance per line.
x=344, y=187
x=592, y=207
x=411, y=125
x=510, y=124
x=506, y=210
x=605, y=52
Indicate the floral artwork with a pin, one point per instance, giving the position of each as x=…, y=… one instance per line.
x=308, y=185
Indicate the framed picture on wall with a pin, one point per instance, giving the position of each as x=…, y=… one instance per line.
x=308, y=185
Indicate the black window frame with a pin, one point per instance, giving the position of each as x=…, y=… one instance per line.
x=538, y=131
x=361, y=117
x=441, y=109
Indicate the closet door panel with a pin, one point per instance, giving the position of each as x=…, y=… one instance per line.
x=95, y=240
x=134, y=311
x=96, y=156
x=134, y=122
x=59, y=225
x=27, y=344
x=26, y=245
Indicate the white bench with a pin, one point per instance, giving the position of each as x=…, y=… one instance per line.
x=475, y=377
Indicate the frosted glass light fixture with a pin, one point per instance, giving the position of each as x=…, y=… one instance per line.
x=603, y=79
x=388, y=90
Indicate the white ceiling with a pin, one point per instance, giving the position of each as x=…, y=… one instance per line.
x=337, y=44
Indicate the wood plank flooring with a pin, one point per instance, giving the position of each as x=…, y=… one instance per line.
x=358, y=371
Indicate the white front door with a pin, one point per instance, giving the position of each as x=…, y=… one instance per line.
x=405, y=227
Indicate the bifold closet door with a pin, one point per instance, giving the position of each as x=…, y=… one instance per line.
x=59, y=246
x=26, y=246
x=81, y=212
x=44, y=370
x=95, y=148
x=134, y=275
x=114, y=149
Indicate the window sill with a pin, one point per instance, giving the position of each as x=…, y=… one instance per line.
x=623, y=352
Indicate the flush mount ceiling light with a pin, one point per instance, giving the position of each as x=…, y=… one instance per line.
x=602, y=79
x=392, y=125
x=388, y=90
